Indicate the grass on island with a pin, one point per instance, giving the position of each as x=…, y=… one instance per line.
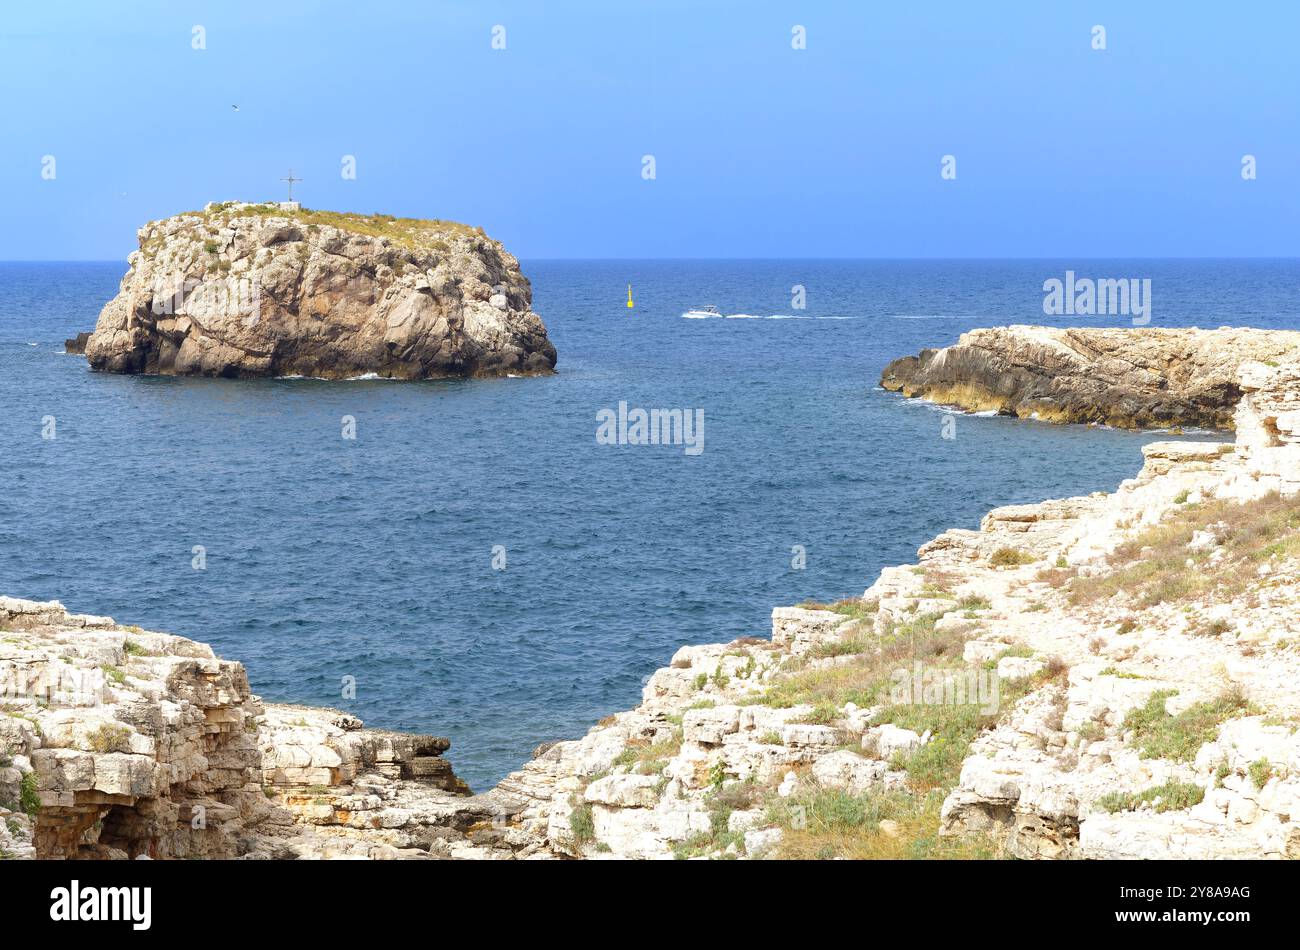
x=581, y=821
x=29, y=796
x=826, y=823
x=865, y=681
x=417, y=234
x=860, y=638
x=414, y=233
x=722, y=800
x=904, y=824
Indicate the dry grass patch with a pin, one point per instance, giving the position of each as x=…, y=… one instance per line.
x=110, y=738
x=413, y=233
x=851, y=645
x=864, y=681
x=1010, y=557
x=1158, y=566
x=826, y=824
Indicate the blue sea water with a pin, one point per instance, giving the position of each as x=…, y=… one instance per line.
x=373, y=558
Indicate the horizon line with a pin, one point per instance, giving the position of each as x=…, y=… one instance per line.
x=1054, y=258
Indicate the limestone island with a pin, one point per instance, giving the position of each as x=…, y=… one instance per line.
x=252, y=290
x=1135, y=378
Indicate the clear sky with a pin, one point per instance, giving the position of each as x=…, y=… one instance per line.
x=761, y=150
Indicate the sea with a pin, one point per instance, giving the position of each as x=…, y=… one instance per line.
x=476, y=563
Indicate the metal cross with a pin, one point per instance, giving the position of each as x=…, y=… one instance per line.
x=291, y=180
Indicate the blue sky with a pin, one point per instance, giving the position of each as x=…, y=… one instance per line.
x=761, y=150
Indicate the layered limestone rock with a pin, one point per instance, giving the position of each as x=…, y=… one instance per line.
x=116, y=742
x=1129, y=378
x=245, y=290
x=375, y=788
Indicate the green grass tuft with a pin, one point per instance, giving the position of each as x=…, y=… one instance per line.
x=1162, y=736
x=1172, y=796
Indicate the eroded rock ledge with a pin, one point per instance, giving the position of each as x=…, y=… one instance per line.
x=117, y=742
x=247, y=290
x=1128, y=378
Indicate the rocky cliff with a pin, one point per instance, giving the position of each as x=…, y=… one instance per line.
x=243, y=290
x=116, y=742
x=1109, y=676
x=1130, y=378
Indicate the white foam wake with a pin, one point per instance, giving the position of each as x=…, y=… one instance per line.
x=756, y=316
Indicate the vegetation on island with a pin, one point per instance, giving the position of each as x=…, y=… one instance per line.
x=413, y=233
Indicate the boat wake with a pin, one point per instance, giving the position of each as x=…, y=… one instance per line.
x=693, y=315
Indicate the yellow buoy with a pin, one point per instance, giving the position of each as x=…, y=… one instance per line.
x=629, y=297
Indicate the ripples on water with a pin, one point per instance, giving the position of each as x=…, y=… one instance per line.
x=328, y=558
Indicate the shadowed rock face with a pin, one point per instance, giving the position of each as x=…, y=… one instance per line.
x=117, y=742
x=77, y=345
x=244, y=290
x=1128, y=378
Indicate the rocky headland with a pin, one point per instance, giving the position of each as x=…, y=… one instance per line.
x=248, y=290
x=1109, y=676
x=1128, y=378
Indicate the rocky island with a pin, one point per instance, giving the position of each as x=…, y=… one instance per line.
x=1108, y=676
x=248, y=290
x=1127, y=378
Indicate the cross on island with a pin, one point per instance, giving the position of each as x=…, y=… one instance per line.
x=290, y=205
